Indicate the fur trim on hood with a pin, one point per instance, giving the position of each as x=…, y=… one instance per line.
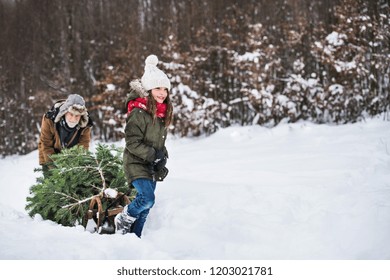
x=137, y=87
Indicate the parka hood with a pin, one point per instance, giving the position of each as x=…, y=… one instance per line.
x=136, y=90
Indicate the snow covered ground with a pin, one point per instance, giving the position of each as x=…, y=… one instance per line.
x=297, y=191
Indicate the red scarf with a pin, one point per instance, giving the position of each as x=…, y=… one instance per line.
x=141, y=102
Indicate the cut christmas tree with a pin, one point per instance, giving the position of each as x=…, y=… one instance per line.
x=81, y=187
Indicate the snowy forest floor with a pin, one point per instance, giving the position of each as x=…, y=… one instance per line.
x=297, y=191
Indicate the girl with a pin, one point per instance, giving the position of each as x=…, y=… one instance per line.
x=149, y=115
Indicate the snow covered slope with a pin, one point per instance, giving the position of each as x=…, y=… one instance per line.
x=297, y=191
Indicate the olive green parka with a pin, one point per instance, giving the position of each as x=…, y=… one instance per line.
x=143, y=136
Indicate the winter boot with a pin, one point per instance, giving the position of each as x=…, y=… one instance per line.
x=123, y=222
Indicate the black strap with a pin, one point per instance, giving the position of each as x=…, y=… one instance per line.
x=112, y=204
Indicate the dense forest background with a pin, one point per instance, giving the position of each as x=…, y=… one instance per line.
x=230, y=61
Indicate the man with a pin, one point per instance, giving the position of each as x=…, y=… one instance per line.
x=67, y=124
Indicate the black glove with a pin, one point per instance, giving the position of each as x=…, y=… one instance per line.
x=160, y=161
x=160, y=175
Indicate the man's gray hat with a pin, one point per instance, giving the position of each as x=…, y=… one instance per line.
x=74, y=104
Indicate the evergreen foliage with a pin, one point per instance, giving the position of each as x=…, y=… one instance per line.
x=76, y=176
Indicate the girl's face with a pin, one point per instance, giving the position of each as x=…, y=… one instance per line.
x=159, y=94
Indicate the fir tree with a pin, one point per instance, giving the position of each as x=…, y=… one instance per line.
x=76, y=176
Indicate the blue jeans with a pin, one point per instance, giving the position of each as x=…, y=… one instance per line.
x=140, y=206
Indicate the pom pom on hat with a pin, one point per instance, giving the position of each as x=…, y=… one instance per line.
x=153, y=77
x=151, y=60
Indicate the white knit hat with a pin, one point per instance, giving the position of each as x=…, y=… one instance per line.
x=154, y=77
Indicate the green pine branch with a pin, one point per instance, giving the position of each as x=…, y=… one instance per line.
x=77, y=175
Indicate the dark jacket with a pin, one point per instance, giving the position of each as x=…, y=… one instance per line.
x=143, y=137
x=49, y=140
